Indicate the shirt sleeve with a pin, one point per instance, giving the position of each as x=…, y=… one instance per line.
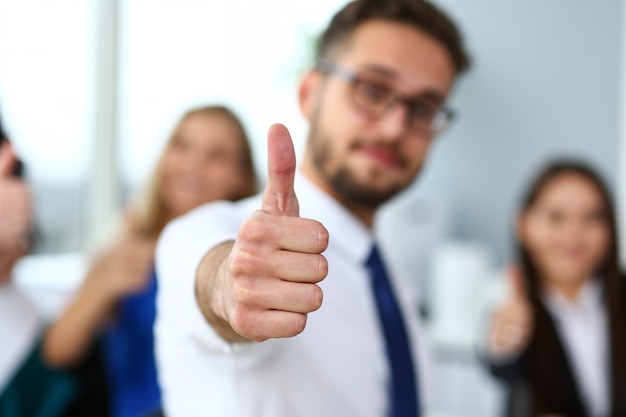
x=181, y=247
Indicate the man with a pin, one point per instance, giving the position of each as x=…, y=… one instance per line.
x=18, y=318
x=238, y=281
x=15, y=209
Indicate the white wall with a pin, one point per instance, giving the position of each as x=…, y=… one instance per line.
x=621, y=182
x=544, y=83
x=182, y=53
x=45, y=85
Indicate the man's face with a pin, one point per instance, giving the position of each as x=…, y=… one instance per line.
x=363, y=160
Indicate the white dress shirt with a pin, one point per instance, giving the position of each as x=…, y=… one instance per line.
x=582, y=325
x=336, y=367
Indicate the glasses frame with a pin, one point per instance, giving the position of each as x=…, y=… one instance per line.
x=444, y=116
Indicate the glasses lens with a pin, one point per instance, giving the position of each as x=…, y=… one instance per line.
x=429, y=116
x=372, y=97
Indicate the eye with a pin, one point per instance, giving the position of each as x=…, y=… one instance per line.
x=216, y=156
x=554, y=217
x=372, y=94
x=596, y=217
x=423, y=111
x=178, y=144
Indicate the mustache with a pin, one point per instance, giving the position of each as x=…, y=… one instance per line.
x=392, y=148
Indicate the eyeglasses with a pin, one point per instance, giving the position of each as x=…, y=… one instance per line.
x=374, y=98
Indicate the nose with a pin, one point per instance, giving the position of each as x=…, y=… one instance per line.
x=575, y=232
x=190, y=162
x=393, y=123
x=196, y=161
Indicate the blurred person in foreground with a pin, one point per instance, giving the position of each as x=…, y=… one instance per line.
x=15, y=209
x=16, y=212
x=207, y=158
x=559, y=341
x=242, y=329
x=28, y=387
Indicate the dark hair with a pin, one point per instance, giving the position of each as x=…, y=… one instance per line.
x=543, y=349
x=3, y=135
x=18, y=169
x=419, y=13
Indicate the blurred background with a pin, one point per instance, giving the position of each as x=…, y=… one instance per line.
x=90, y=89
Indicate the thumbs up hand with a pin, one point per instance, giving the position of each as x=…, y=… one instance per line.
x=269, y=281
x=124, y=268
x=512, y=324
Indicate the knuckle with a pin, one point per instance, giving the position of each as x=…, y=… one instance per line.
x=242, y=264
x=254, y=230
x=298, y=323
x=240, y=321
x=243, y=293
x=316, y=296
x=322, y=267
x=322, y=237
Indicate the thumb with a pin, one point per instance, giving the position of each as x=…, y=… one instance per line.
x=7, y=159
x=517, y=283
x=279, y=196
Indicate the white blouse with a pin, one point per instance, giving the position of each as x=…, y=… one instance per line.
x=582, y=325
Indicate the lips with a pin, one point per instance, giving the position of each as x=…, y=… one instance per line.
x=382, y=156
x=575, y=255
x=190, y=185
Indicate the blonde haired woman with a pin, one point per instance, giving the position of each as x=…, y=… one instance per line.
x=207, y=158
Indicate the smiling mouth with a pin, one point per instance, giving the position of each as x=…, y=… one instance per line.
x=382, y=156
x=187, y=185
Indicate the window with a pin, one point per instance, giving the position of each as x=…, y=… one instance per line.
x=45, y=98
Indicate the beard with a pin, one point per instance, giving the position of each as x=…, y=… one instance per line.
x=345, y=182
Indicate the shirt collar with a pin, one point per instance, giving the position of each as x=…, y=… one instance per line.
x=589, y=297
x=347, y=233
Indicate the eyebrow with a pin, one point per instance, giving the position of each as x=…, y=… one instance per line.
x=429, y=94
x=379, y=69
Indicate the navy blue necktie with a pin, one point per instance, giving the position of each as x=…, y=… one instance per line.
x=403, y=390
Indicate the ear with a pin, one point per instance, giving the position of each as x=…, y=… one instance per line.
x=309, y=93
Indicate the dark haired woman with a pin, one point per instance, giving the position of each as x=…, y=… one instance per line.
x=558, y=342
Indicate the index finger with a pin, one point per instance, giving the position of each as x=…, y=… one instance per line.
x=279, y=196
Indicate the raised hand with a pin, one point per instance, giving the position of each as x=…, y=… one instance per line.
x=125, y=268
x=512, y=324
x=268, y=283
x=120, y=271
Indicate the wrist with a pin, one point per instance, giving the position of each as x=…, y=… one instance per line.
x=100, y=290
x=211, y=283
